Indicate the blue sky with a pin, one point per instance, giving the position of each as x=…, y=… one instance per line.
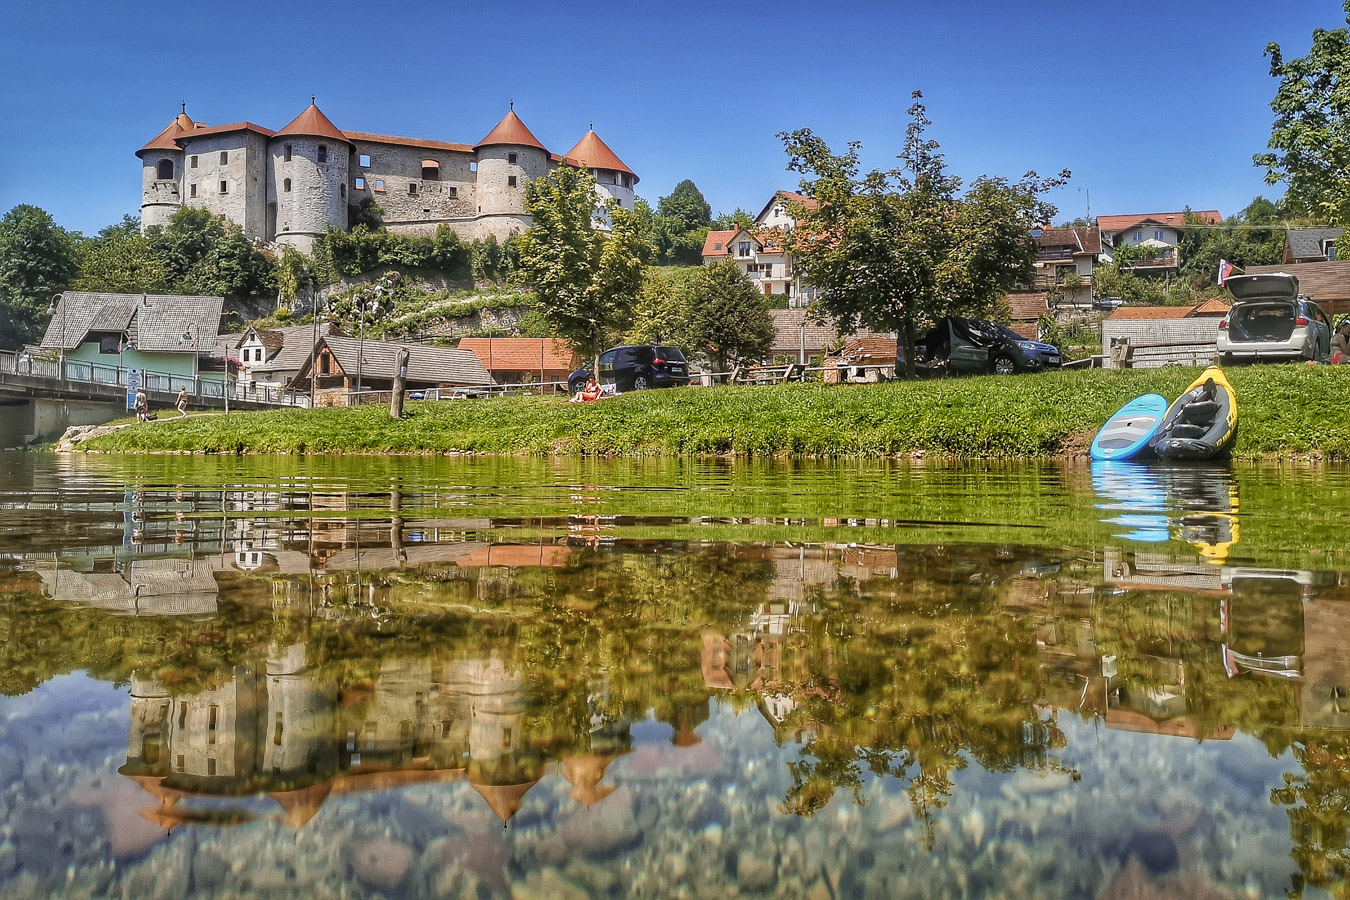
x=1153, y=106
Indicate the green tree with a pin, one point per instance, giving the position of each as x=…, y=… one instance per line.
x=205, y=254
x=119, y=259
x=661, y=314
x=293, y=274
x=587, y=281
x=894, y=250
x=1243, y=240
x=686, y=205
x=736, y=218
x=37, y=261
x=729, y=320
x=1310, y=138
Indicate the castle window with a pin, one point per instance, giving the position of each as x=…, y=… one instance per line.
x=286, y=186
x=360, y=184
x=224, y=157
x=473, y=167
x=412, y=188
x=511, y=158
x=287, y=153
x=194, y=162
x=192, y=190
x=431, y=170
x=342, y=191
x=165, y=172
x=628, y=181
x=454, y=192
x=323, y=153
x=510, y=181
x=364, y=161
x=379, y=185
x=224, y=187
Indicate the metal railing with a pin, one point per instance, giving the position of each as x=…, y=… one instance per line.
x=26, y=364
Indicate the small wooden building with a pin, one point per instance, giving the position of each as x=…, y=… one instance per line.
x=339, y=363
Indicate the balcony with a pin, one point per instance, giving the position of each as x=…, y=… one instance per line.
x=1166, y=260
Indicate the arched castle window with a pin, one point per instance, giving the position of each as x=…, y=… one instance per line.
x=323, y=153
x=286, y=186
x=431, y=170
x=165, y=172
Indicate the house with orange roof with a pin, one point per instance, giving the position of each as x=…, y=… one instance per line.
x=290, y=186
x=524, y=360
x=1158, y=233
x=1163, y=335
x=758, y=250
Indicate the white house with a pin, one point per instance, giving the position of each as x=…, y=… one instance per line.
x=758, y=249
x=1158, y=232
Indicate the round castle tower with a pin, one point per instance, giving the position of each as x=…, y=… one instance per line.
x=508, y=158
x=307, y=191
x=162, y=173
x=613, y=179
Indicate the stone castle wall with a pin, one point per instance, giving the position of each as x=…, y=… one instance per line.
x=496, y=194
x=394, y=181
x=241, y=173
x=160, y=199
x=318, y=192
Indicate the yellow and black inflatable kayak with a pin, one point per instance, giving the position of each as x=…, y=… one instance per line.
x=1202, y=422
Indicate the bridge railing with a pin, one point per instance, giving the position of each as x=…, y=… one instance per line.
x=23, y=363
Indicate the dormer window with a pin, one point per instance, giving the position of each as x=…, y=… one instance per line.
x=165, y=170
x=717, y=245
x=323, y=153
x=743, y=249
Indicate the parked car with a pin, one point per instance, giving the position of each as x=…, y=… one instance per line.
x=974, y=345
x=1271, y=320
x=637, y=368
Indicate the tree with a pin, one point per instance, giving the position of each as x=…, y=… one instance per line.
x=205, y=254
x=119, y=259
x=37, y=261
x=730, y=319
x=737, y=218
x=686, y=205
x=662, y=312
x=893, y=250
x=1310, y=138
x=586, y=280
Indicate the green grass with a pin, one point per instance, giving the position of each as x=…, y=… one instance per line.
x=1286, y=411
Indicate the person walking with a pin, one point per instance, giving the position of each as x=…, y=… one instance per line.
x=142, y=406
x=182, y=402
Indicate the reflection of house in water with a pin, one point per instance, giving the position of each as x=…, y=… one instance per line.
x=150, y=587
x=286, y=729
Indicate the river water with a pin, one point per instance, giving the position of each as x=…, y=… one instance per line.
x=528, y=678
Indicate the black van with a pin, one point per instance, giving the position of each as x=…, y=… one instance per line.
x=639, y=367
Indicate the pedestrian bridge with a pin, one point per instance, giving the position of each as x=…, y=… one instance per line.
x=43, y=396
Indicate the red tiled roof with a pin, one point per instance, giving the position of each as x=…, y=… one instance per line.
x=313, y=123
x=1212, y=308
x=165, y=140
x=225, y=129
x=1152, y=312
x=800, y=199
x=510, y=130
x=718, y=243
x=521, y=354
x=1112, y=224
x=1027, y=307
x=406, y=142
x=592, y=153
x=1084, y=239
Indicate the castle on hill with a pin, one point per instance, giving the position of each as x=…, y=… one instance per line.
x=289, y=186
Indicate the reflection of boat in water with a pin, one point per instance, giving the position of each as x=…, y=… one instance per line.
x=1198, y=505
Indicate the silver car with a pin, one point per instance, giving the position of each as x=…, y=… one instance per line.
x=1270, y=320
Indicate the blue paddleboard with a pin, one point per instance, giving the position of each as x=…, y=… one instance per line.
x=1127, y=432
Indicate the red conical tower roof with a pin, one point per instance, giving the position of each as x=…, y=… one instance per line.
x=593, y=153
x=510, y=130
x=313, y=123
x=167, y=139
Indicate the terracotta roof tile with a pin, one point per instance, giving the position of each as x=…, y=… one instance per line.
x=1112, y=224
x=165, y=140
x=1027, y=307
x=224, y=129
x=1152, y=312
x=522, y=354
x=510, y=130
x=313, y=123
x=1212, y=308
x=406, y=142
x=717, y=243
x=592, y=153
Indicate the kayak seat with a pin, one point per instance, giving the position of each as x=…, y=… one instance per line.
x=1201, y=412
x=1190, y=432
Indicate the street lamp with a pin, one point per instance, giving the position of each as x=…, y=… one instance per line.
x=61, y=350
x=361, y=341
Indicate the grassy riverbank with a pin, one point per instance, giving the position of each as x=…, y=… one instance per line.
x=1286, y=410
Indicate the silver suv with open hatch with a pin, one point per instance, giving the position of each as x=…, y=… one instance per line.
x=1270, y=320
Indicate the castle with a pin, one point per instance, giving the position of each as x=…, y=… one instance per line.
x=289, y=186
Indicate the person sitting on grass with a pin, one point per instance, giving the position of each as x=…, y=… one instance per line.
x=589, y=393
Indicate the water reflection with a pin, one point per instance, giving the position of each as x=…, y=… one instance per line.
x=389, y=667
x=1198, y=504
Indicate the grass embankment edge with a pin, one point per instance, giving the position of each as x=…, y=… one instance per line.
x=1287, y=411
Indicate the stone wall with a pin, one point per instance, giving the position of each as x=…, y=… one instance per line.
x=496, y=194
x=160, y=198
x=242, y=174
x=394, y=180
x=318, y=192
